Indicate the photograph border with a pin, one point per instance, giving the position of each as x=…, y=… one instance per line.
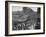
x=6, y=18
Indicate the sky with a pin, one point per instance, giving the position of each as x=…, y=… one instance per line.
x=18, y=8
